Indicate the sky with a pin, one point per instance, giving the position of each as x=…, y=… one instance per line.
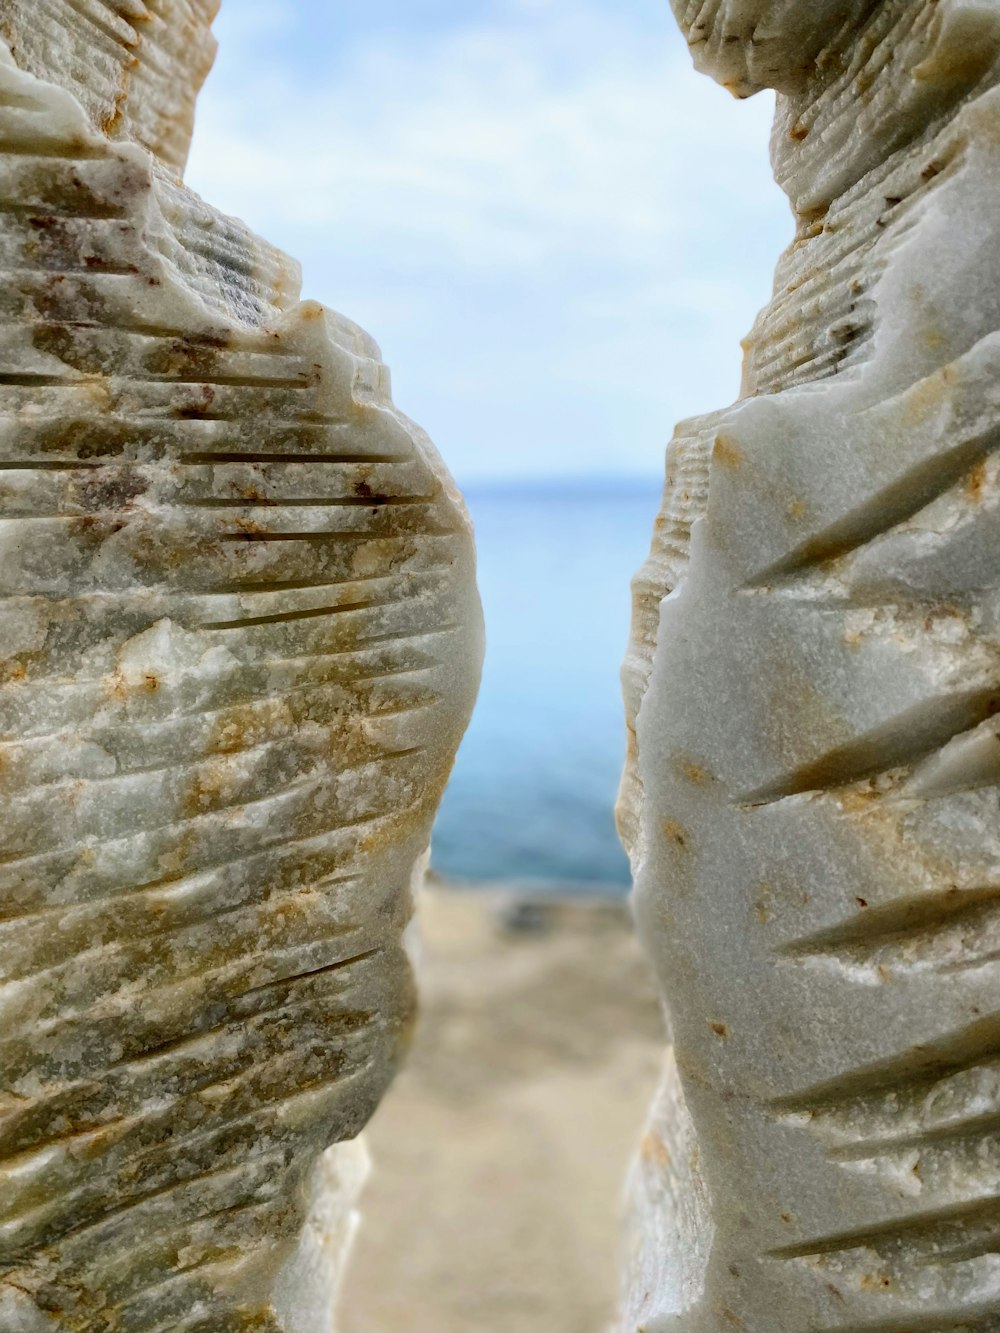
x=554, y=228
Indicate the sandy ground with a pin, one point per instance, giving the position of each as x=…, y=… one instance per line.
x=500, y=1152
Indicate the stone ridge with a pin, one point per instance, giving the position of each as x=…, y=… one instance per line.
x=748, y=45
x=239, y=643
x=136, y=66
x=813, y=799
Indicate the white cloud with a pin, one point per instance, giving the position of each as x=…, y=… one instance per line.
x=556, y=230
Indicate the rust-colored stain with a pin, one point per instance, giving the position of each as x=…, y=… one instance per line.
x=675, y=833
x=694, y=773
x=726, y=452
x=975, y=482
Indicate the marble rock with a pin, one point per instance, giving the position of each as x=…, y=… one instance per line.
x=239, y=643
x=811, y=802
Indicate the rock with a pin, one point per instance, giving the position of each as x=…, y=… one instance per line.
x=812, y=802
x=135, y=66
x=239, y=643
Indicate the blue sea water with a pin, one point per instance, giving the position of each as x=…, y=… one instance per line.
x=533, y=791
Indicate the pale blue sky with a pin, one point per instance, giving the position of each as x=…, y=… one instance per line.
x=556, y=231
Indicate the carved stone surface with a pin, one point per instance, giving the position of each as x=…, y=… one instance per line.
x=812, y=798
x=239, y=642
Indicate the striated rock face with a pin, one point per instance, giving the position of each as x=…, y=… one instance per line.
x=239, y=642
x=813, y=685
x=135, y=66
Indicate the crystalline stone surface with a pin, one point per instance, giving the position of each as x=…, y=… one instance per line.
x=239, y=642
x=812, y=802
x=134, y=65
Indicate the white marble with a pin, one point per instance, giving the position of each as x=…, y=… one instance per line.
x=812, y=801
x=134, y=66
x=239, y=643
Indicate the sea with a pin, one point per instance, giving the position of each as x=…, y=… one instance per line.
x=532, y=795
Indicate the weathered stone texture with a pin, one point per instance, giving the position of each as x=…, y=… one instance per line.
x=812, y=802
x=239, y=642
x=135, y=66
